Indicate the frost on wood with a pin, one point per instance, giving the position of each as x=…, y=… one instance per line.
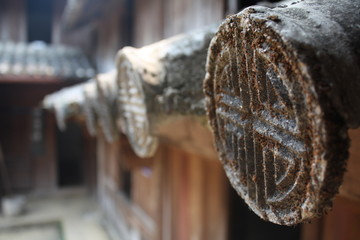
x=281, y=90
x=158, y=82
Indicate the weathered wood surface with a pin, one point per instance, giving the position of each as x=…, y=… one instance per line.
x=279, y=105
x=107, y=91
x=160, y=82
x=66, y=103
x=94, y=101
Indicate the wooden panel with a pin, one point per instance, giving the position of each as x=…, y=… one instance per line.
x=28, y=170
x=148, y=22
x=194, y=200
x=140, y=212
x=159, y=19
x=343, y=221
x=351, y=185
x=313, y=230
x=58, y=8
x=189, y=135
x=15, y=138
x=45, y=176
x=112, y=162
x=27, y=95
x=90, y=160
x=108, y=42
x=198, y=197
x=13, y=20
x=185, y=15
x=216, y=188
x=146, y=182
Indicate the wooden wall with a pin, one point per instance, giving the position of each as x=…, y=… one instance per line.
x=32, y=166
x=13, y=20
x=28, y=170
x=158, y=19
x=343, y=221
x=182, y=195
x=176, y=194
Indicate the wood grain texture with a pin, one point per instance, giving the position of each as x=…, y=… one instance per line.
x=198, y=196
x=343, y=221
x=139, y=212
x=45, y=165
x=29, y=171
x=351, y=185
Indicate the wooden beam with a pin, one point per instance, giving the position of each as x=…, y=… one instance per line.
x=66, y=103
x=281, y=89
x=94, y=101
x=158, y=83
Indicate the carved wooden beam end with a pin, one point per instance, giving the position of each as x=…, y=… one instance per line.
x=66, y=103
x=93, y=101
x=160, y=82
x=281, y=90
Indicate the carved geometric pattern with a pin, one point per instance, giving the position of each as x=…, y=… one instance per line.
x=258, y=114
x=257, y=123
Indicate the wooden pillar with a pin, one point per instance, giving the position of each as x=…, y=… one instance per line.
x=197, y=196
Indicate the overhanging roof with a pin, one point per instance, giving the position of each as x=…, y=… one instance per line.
x=38, y=62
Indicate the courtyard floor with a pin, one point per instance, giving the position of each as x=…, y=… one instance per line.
x=67, y=215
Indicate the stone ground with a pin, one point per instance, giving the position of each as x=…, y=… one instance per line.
x=68, y=215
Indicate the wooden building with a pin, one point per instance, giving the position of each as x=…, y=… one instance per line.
x=181, y=192
x=34, y=64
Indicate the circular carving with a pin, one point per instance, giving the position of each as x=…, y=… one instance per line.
x=133, y=118
x=272, y=133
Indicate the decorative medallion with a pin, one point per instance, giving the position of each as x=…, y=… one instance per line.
x=268, y=124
